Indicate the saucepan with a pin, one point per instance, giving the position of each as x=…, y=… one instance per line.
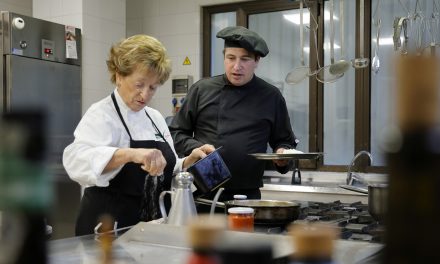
x=272, y=212
x=377, y=199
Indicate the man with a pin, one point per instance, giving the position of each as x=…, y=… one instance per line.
x=238, y=111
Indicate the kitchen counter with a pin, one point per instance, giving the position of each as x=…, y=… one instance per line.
x=160, y=243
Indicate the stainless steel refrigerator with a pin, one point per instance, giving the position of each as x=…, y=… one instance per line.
x=41, y=68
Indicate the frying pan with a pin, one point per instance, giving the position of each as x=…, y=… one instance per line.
x=269, y=211
x=272, y=212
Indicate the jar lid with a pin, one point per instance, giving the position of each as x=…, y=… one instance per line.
x=241, y=210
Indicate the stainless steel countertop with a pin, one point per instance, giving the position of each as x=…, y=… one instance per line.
x=161, y=243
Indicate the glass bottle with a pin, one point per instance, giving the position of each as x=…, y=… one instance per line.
x=204, y=231
x=414, y=164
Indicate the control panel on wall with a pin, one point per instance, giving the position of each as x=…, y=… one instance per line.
x=180, y=86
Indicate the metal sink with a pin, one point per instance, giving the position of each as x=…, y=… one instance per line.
x=322, y=179
x=315, y=186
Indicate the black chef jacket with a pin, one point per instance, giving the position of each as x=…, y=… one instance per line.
x=242, y=119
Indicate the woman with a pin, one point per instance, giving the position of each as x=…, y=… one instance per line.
x=123, y=153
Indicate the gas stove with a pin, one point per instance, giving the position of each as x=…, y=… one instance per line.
x=352, y=219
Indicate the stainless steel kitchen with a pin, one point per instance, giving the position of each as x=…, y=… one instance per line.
x=315, y=139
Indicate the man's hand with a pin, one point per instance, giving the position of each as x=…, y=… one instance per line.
x=281, y=163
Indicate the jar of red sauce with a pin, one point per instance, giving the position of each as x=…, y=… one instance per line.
x=241, y=219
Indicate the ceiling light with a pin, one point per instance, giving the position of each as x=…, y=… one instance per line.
x=294, y=18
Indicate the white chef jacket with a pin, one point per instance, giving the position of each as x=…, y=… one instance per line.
x=100, y=133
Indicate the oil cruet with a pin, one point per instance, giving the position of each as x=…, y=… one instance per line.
x=182, y=203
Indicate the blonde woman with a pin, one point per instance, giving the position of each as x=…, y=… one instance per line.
x=123, y=153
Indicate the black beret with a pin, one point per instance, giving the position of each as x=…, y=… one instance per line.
x=243, y=38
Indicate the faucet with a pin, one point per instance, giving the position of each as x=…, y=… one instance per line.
x=296, y=173
x=350, y=177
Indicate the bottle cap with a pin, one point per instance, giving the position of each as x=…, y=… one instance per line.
x=240, y=197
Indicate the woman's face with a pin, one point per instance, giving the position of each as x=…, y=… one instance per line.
x=138, y=88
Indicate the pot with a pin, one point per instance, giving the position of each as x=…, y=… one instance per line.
x=378, y=201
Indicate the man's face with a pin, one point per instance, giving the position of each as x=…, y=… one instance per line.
x=240, y=65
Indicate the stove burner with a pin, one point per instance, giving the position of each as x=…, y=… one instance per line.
x=352, y=219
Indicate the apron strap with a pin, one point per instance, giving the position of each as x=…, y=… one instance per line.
x=157, y=129
x=120, y=115
x=125, y=125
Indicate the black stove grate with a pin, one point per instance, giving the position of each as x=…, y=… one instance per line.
x=353, y=220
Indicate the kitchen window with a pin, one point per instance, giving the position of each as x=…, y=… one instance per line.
x=338, y=118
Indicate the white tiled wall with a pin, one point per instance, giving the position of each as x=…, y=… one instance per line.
x=176, y=23
x=23, y=7
x=103, y=23
x=67, y=12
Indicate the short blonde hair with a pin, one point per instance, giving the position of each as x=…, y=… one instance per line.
x=139, y=51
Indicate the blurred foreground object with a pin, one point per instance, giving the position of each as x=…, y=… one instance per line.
x=204, y=233
x=414, y=164
x=107, y=239
x=244, y=250
x=313, y=243
x=25, y=193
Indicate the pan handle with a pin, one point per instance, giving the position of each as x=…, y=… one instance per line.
x=209, y=202
x=354, y=188
x=214, y=202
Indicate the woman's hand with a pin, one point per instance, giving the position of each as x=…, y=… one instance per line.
x=151, y=160
x=197, y=153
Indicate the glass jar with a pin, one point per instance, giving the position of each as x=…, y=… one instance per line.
x=241, y=219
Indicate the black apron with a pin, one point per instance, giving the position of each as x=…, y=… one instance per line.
x=132, y=195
